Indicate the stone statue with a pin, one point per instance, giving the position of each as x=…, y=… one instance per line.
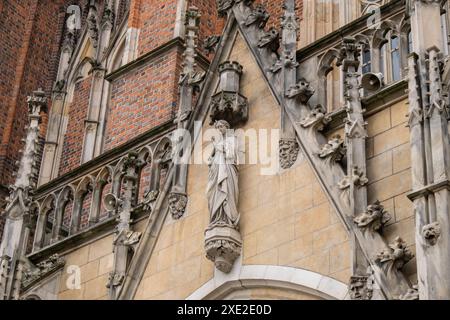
x=222, y=189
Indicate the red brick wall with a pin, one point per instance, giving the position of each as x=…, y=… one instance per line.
x=143, y=98
x=73, y=139
x=30, y=34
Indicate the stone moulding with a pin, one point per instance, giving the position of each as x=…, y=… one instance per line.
x=33, y=274
x=223, y=246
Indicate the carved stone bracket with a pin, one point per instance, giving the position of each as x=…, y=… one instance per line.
x=92, y=25
x=301, y=91
x=223, y=246
x=357, y=178
x=374, y=218
x=289, y=149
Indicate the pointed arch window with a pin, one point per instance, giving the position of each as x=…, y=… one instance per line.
x=366, y=60
x=395, y=58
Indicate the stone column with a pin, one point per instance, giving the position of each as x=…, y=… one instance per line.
x=125, y=239
x=289, y=147
x=429, y=151
x=18, y=208
x=189, y=83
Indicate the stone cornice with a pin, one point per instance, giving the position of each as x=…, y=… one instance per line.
x=177, y=43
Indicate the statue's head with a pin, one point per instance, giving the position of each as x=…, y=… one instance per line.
x=222, y=126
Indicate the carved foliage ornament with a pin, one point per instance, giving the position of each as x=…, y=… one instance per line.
x=270, y=39
x=302, y=91
x=374, y=218
x=357, y=178
x=397, y=254
x=334, y=151
x=317, y=119
x=211, y=43
x=289, y=150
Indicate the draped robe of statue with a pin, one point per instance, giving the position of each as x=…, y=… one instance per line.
x=222, y=189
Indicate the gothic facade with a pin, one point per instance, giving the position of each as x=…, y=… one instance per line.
x=230, y=149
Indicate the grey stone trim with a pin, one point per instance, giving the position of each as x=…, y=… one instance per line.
x=393, y=284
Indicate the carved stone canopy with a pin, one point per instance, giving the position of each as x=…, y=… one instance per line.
x=228, y=104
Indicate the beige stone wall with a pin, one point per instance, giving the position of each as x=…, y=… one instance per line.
x=95, y=261
x=389, y=172
x=285, y=219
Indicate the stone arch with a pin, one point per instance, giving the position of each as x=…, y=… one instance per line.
x=64, y=198
x=277, y=277
x=327, y=77
x=41, y=238
x=146, y=155
x=102, y=180
x=83, y=190
x=162, y=157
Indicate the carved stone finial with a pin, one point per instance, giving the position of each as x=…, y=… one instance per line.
x=397, y=254
x=333, y=151
x=374, y=218
x=259, y=16
x=431, y=233
x=289, y=150
x=361, y=287
x=317, y=119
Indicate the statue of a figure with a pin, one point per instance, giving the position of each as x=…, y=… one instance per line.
x=222, y=189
